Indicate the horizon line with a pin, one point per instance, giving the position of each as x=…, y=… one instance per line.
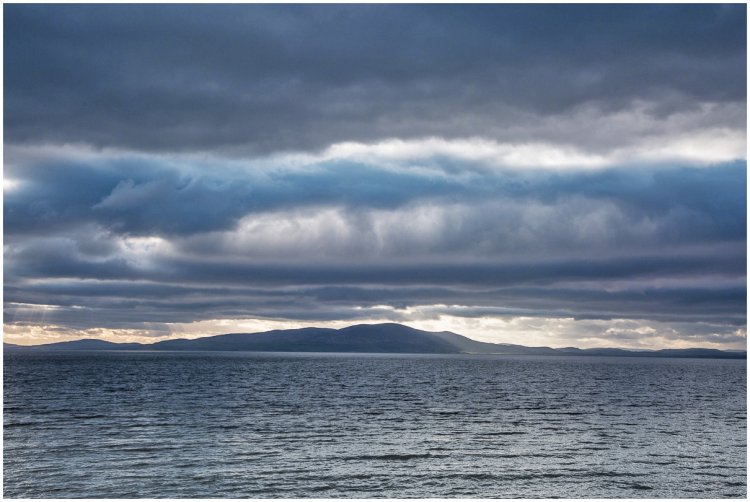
x=146, y=344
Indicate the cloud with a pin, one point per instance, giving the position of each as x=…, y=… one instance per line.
x=575, y=175
x=182, y=239
x=266, y=78
x=146, y=276
x=162, y=195
x=532, y=331
x=569, y=332
x=641, y=139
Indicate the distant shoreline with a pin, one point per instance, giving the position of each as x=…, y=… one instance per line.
x=388, y=338
x=734, y=356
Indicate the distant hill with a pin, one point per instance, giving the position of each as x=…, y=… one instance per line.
x=85, y=344
x=368, y=338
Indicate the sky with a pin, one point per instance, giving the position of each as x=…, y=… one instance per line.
x=536, y=174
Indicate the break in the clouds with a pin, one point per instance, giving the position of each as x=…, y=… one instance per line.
x=558, y=175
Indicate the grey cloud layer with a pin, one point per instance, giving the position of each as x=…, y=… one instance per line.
x=264, y=78
x=148, y=197
x=323, y=241
x=546, y=162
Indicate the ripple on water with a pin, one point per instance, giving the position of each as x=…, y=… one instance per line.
x=260, y=425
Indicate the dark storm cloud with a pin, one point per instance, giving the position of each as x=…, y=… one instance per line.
x=179, y=288
x=137, y=197
x=140, y=197
x=264, y=78
x=70, y=221
x=57, y=262
x=115, y=302
x=547, y=162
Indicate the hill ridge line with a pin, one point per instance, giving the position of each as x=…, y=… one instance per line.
x=363, y=338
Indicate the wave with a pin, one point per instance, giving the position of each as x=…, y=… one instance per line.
x=393, y=456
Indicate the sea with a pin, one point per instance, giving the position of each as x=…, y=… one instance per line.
x=309, y=425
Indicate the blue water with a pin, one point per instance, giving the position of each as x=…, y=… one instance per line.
x=135, y=424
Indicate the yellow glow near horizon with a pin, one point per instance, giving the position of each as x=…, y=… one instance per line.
x=530, y=331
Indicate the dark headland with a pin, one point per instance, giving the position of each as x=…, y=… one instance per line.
x=366, y=338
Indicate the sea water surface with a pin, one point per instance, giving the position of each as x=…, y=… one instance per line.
x=258, y=425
